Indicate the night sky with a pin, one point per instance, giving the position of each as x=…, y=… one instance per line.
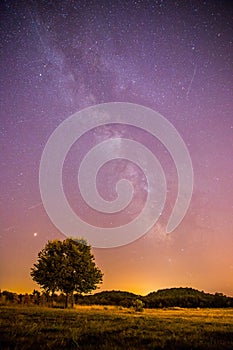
x=175, y=57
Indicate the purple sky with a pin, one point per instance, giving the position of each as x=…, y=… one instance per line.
x=59, y=57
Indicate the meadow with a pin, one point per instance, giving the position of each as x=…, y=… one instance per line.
x=102, y=328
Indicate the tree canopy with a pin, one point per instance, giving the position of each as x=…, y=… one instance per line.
x=67, y=266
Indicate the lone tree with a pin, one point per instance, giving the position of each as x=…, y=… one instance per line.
x=68, y=267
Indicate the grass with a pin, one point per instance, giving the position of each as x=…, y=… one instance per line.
x=113, y=328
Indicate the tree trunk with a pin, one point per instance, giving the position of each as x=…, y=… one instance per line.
x=52, y=299
x=72, y=300
x=66, y=301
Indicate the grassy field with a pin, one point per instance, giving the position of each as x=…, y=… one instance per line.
x=113, y=328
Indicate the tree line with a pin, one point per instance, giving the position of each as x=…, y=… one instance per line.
x=165, y=298
x=173, y=297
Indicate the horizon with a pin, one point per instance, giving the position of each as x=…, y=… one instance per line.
x=99, y=290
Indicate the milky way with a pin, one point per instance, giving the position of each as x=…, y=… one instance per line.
x=174, y=57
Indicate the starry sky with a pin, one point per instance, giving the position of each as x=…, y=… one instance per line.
x=175, y=57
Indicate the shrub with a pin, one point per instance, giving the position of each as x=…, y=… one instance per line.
x=138, y=305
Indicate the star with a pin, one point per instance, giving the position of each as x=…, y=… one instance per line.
x=61, y=57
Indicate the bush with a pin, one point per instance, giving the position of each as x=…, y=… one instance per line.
x=138, y=305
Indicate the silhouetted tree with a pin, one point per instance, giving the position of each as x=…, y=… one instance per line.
x=68, y=267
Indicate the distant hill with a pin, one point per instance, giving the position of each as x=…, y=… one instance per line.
x=172, y=297
x=186, y=297
x=114, y=297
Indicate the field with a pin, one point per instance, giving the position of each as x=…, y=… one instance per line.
x=114, y=328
